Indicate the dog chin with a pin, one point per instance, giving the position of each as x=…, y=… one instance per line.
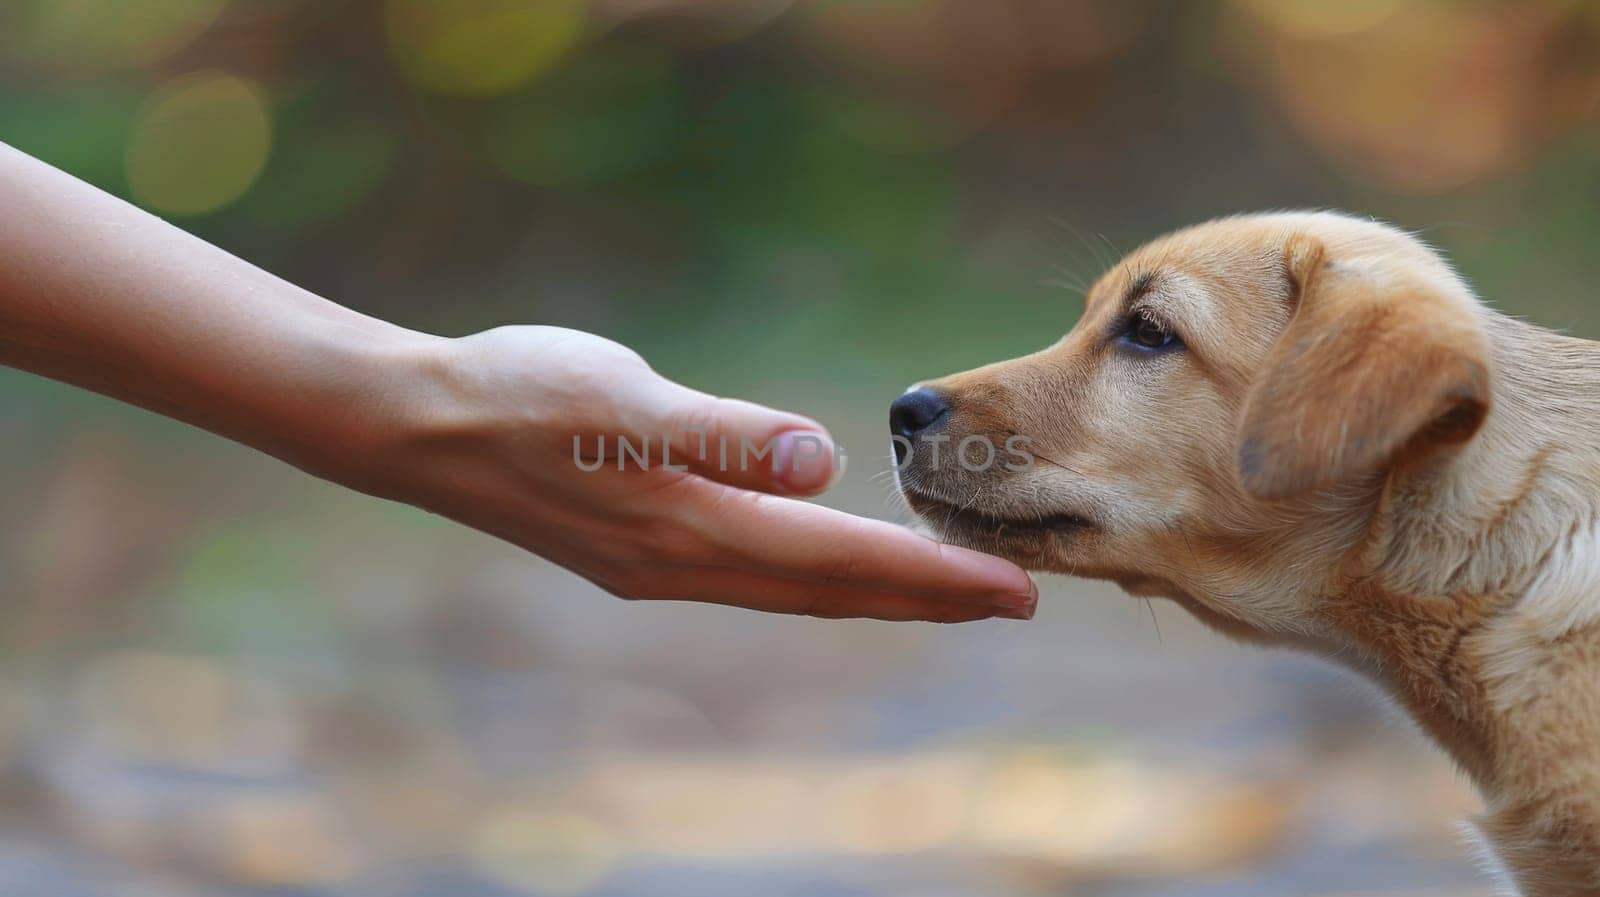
x=1034, y=540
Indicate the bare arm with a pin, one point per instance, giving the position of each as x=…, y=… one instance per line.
x=96, y=292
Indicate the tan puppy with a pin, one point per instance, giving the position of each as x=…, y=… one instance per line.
x=1305, y=429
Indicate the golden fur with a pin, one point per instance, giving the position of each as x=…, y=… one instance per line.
x=1348, y=452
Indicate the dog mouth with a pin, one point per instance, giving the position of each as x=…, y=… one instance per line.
x=951, y=516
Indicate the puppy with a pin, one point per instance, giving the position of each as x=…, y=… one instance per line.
x=1305, y=429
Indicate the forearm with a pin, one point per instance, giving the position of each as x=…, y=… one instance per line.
x=96, y=292
x=481, y=429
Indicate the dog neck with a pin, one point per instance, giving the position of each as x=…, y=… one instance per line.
x=1475, y=599
x=1469, y=589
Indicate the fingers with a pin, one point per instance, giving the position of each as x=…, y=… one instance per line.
x=740, y=443
x=796, y=540
x=775, y=595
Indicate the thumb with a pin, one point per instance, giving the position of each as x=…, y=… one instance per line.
x=741, y=443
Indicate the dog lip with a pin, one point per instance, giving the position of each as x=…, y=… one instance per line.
x=923, y=504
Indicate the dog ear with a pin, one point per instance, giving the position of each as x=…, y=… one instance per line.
x=1374, y=369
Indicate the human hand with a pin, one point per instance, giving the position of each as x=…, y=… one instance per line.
x=480, y=429
x=486, y=437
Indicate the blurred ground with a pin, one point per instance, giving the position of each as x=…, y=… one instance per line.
x=221, y=677
x=317, y=691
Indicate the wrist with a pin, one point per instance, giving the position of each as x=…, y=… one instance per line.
x=379, y=389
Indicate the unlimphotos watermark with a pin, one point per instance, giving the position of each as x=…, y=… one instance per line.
x=976, y=453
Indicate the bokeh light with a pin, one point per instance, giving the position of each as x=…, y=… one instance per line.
x=1482, y=88
x=479, y=47
x=199, y=143
x=222, y=676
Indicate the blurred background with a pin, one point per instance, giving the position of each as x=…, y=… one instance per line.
x=219, y=676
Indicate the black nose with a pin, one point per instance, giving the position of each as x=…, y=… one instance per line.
x=914, y=413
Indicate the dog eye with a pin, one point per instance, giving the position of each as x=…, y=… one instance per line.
x=1146, y=332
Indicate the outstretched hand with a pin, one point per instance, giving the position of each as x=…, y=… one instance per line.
x=518, y=434
x=481, y=429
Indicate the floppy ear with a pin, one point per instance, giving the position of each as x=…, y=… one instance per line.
x=1374, y=369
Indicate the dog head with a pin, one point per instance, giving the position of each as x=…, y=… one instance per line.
x=1225, y=384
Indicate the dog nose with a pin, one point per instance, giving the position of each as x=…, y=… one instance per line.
x=915, y=412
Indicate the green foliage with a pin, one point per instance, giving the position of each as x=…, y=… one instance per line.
x=80, y=129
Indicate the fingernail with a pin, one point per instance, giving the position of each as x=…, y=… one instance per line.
x=1025, y=612
x=1008, y=600
x=1020, y=607
x=802, y=461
